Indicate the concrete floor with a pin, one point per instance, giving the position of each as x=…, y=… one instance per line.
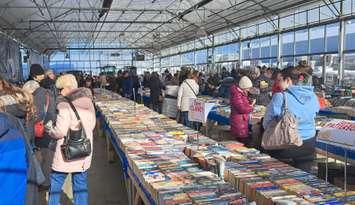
x=106, y=183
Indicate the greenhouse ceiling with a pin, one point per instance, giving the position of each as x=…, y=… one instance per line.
x=49, y=25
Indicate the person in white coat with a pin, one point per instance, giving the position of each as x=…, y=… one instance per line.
x=189, y=89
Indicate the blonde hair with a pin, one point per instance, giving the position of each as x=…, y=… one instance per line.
x=66, y=81
x=22, y=98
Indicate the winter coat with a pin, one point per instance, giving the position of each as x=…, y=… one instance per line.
x=240, y=109
x=40, y=100
x=302, y=103
x=35, y=175
x=186, y=93
x=13, y=163
x=49, y=84
x=66, y=119
x=155, y=87
x=127, y=87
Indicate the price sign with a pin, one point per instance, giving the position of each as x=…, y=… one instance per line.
x=339, y=131
x=198, y=110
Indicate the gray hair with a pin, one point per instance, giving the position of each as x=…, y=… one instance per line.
x=30, y=86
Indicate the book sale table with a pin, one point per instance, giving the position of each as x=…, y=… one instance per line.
x=167, y=163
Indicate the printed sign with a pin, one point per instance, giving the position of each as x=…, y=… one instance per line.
x=198, y=110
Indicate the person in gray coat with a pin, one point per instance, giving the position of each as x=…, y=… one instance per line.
x=45, y=105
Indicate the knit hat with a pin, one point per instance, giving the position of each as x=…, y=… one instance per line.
x=30, y=86
x=36, y=69
x=245, y=83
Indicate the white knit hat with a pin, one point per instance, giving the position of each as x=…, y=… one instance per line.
x=245, y=83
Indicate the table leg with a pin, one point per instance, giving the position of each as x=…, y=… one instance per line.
x=326, y=165
x=345, y=175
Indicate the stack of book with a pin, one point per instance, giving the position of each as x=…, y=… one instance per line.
x=178, y=165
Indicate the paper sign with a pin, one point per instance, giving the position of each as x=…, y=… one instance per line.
x=198, y=110
x=339, y=131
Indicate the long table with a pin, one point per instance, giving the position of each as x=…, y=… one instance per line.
x=137, y=189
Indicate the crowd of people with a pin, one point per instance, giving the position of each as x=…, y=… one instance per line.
x=39, y=125
x=48, y=108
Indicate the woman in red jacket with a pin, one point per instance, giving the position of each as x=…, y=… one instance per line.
x=240, y=109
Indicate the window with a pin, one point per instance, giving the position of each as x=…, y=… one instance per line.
x=328, y=12
x=350, y=35
x=249, y=31
x=287, y=43
x=274, y=46
x=201, y=56
x=266, y=27
x=349, y=70
x=188, y=58
x=255, y=48
x=332, y=35
x=317, y=39
x=287, y=22
x=246, y=49
x=313, y=15
x=287, y=61
x=347, y=7
x=301, y=38
x=300, y=19
x=165, y=62
x=265, y=47
x=175, y=60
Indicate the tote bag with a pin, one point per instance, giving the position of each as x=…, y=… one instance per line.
x=282, y=133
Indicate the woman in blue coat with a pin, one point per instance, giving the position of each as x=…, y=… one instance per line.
x=303, y=104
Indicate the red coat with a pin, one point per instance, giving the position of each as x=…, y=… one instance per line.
x=240, y=109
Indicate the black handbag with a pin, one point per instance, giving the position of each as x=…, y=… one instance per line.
x=76, y=145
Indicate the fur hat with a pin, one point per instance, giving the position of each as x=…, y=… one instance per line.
x=36, y=69
x=30, y=86
x=66, y=81
x=245, y=83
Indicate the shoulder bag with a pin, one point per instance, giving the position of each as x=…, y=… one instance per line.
x=191, y=88
x=282, y=133
x=76, y=145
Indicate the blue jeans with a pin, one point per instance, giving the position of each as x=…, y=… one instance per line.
x=187, y=123
x=185, y=119
x=79, y=183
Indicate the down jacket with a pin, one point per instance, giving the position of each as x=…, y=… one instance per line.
x=82, y=100
x=240, y=109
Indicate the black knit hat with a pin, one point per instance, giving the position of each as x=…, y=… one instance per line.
x=36, y=69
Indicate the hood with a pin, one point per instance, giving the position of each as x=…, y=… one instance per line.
x=303, y=94
x=47, y=83
x=81, y=97
x=11, y=106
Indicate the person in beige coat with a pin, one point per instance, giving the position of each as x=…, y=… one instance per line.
x=66, y=119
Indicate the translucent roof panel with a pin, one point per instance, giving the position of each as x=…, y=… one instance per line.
x=48, y=25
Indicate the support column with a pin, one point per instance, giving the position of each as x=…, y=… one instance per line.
x=240, y=49
x=341, y=51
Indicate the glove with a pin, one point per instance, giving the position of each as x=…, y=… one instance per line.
x=48, y=126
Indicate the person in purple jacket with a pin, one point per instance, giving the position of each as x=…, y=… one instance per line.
x=240, y=109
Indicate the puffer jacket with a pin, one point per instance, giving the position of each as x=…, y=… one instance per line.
x=66, y=119
x=188, y=90
x=240, y=109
